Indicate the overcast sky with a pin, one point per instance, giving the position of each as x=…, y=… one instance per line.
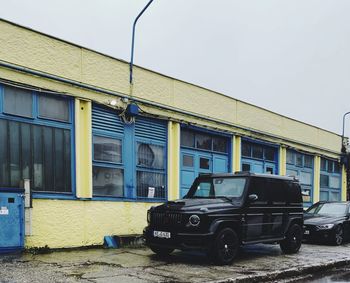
x=291, y=57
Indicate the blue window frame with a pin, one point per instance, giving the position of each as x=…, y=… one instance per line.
x=129, y=160
x=330, y=180
x=301, y=165
x=36, y=145
x=259, y=157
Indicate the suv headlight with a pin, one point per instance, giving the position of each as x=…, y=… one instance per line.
x=194, y=220
x=325, y=226
x=148, y=217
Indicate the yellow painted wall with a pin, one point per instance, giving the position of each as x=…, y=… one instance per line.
x=74, y=223
x=39, y=52
x=317, y=172
x=83, y=148
x=236, y=158
x=173, y=160
x=343, y=184
x=282, y=162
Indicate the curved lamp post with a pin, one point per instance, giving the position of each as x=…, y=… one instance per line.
x=133, y=39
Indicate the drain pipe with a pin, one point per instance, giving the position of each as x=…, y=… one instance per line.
x=133, y=40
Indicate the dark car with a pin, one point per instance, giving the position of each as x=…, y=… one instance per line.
x=327, y=222
x=223, y=211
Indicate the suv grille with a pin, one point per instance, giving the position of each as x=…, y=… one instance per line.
x=166, y=219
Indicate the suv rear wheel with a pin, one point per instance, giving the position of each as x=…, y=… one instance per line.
x=291, y=244
x=225, y=247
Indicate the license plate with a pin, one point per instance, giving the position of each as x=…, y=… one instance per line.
x=161, y=234
x=306, y=232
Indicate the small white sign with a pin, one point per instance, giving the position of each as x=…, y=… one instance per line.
x=4, y=211
x=151, y=191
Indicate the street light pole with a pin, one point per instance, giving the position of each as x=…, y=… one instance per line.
x=133, y=40
x=343, y=149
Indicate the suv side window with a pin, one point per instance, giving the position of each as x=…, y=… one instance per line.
x=258, y=187
x=278, y=191
x=294, y=193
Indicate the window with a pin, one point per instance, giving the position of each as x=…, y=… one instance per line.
x=246, y=150
x=129, y=160
x=258, y=151
x=270, y=154
x=204, y=141
x=54, y=108
x=32, y=147
x=301, y=165
x=204, y=163
x=188, y=161
x=107, y=149
x=245, y=167
x=258, y=187
x=330, y=179
x=277, y=191
x=18, y=101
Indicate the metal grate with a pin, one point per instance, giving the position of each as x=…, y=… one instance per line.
x=166, y=219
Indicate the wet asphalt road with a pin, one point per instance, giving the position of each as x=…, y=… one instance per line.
x=255, y=263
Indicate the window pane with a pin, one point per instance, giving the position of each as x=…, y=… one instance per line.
x=107, y=149
x=220, y=144
x=305, y=178
x=188, y=161
x=270, y=154
x=306, y=194
x=323, y=196
x=59, y=161
x=108, y=182
x=48, y=158
x=203, y=141
x=258, y=151
x=246, y=167
x=334, y=182
x=324, y=181
x=334, y=196
x=246, y=149
x=330, y=166
x=38, y=158
x=308, y=161
x=55, y=108
x=336, y=167
x=292, y=173
x=150, y=156
x=150, y=185
x=187, y=138
x=4, y=169
x=15, y=173
x=290, y=157
x=204, y=163
x=18, y=101
x=299, y=159
x=67, y=160
x=25, y=151
x=323, y=164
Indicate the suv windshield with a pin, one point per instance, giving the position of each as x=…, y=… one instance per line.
x=336, y=209
x=218, y=187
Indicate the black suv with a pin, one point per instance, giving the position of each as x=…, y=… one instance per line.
x=223, y=211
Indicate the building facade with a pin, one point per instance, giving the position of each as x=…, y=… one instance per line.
x=94, y=169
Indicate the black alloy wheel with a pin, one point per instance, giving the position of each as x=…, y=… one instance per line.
x=338, y=235
x=292, y=243
x=225, y=247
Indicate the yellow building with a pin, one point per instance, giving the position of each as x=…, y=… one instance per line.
x=98, y=154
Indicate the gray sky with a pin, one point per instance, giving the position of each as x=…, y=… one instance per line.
x=291, y=57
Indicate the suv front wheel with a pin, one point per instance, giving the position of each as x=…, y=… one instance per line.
x=225, y=247
x=291, y=244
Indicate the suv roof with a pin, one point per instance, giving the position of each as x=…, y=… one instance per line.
x=247, y=174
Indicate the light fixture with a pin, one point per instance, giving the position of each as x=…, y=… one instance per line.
x=113, y=102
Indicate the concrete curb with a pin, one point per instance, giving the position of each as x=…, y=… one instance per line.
x=285, y=274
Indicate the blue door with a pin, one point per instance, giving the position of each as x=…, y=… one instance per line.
x=195, y=162
x=11, y=220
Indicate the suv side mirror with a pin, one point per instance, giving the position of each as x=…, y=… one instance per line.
x=252, y=197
